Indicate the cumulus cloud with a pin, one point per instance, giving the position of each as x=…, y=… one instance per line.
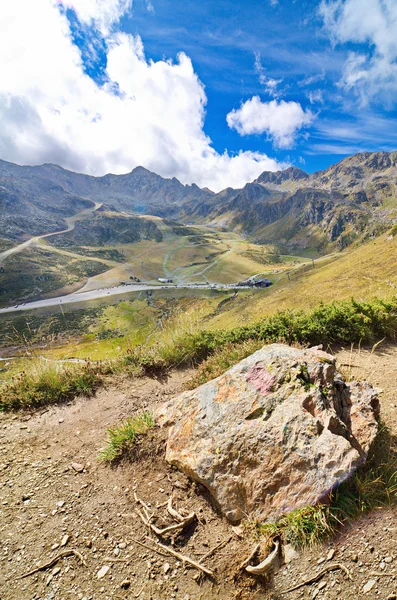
x=143, y=113
x=100, y=13
x=372, y=72
x=280, y=120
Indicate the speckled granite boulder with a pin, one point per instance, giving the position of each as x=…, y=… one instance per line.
x=276, y=432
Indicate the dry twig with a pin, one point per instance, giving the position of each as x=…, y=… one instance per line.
x=147, y=547
x=53, y=562
x=186, y=559
x=166, y=530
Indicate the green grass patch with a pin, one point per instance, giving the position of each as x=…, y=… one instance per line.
x=182, y=341
x=123, y=436
x=45, y=383
x=372, y=486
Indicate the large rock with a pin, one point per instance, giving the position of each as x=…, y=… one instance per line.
x=277, y=431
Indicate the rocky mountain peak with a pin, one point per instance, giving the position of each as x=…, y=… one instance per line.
x=278, y=177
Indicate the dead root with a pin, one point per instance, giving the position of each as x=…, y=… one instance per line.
x=53, y=562
x=147, y=517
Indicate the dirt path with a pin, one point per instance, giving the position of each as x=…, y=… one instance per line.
x=45, y=501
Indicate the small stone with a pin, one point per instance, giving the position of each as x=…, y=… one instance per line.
x=166, y=567
x=116, y=551
x=88, y=544
x=331, y=554
x=122, y=546
x=125, y=584
x=60, y=503
x=321, y=560
x=322, y=585
x=54, y=546
x=382, y=565
x=65, y=540
x=77, y=467
x=102, y=572
x=289, y=553
x=61, y=420
x=355, y=557
x=388, y=559
x=56, y=571
x=369, y=585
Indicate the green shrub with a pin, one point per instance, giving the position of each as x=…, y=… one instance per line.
x=342, y=322
x=224, y=358
x=122, y=437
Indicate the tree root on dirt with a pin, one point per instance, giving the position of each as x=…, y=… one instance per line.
x=53, y=562
x=146, y=516
x=171, y=529
x=319, y=575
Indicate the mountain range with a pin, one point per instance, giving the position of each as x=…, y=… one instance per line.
x=326, y=210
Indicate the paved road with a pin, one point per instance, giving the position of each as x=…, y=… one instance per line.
x=106, y=292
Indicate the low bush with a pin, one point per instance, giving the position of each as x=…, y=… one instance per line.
x=342, y=322
x=184, y=342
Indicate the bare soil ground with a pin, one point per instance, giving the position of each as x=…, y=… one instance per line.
x=45, y=502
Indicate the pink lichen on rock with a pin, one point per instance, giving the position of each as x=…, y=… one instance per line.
x=260, y=378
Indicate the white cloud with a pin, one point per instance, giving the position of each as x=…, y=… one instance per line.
x=269, y=83
x=147, y=113
x=100, y=13
x=315, y=97
x=371, y=72
x=281, y=121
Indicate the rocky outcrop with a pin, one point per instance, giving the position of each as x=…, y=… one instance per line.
x=276, y=432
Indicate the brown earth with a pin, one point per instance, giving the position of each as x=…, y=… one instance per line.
x=43, y=499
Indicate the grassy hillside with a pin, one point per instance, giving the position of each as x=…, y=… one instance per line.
x=369, y=269
x=35, y=272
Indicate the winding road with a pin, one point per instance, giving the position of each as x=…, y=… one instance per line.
x=70, y=225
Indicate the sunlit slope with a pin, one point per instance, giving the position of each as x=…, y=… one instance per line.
x=368, y=270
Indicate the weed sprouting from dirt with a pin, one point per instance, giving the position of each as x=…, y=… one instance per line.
x=122, y=437
x=372, y=486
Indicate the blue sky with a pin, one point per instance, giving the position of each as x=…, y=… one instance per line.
x=259, y=84
x=227, y=39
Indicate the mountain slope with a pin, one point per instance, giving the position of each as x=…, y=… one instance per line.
x=35, y=200
x=325, y=211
